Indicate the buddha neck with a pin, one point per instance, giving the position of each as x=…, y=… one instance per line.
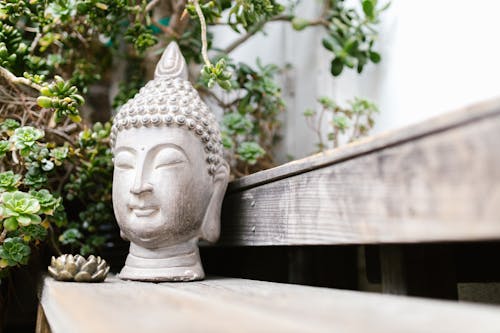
x=180, y=262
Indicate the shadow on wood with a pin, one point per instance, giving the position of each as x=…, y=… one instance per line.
x=320, y=266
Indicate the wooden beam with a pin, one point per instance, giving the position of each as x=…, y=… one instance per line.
x=236, y=305
x=436, y=181
x=42, y=326
x=393, y=270
x=424, y=270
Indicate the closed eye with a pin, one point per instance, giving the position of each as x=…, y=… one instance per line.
x=165, y=164
x=125, y=160
x=124, y=166
x=169, y=157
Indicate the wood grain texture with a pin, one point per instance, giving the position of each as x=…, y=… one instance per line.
x=438, y=181
x=236, y=305
x=457, y=118
x=42, y=326
x=392, y=270
x=423, y=270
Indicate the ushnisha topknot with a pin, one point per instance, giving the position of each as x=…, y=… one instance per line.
x=170, y=100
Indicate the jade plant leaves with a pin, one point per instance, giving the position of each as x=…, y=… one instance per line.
x=63, y=97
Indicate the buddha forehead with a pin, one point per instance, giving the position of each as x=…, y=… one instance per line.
x=145, y=139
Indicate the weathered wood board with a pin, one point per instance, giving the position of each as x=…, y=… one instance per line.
x=436, y=181
x=236, y=305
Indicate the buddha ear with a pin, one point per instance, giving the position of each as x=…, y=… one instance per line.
x=210, y=228
x=122, y=235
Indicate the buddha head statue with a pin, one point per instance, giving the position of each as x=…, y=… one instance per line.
x=169, y=175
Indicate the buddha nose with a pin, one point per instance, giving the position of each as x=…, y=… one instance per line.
x=141, y=185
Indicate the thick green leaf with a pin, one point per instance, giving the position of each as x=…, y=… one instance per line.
x=300, y=23
x=10, y=224
x=369, y=8
x=375, y=57
x=351, y=46
x=327, y=44
x=336, y=67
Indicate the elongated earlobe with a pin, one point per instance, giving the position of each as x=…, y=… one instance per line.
x=210, y=229
x=122, y=235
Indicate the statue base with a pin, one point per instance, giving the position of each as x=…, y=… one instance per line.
x=180, y=262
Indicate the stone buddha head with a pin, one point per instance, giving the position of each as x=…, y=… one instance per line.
x=169, y=175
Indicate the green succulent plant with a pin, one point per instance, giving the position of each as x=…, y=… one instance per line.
x=210, y=75
x=10, y=124
x=348, y=123
x=14, y=251
x=250, y=152
x=35, y=232
x=9, y=181
x=236, y=123
x=25, y=137
x=19, y=208
x=352, y=35
x=248, y=13
x=4, y=147
x=34, y=178
x=48, y=202
x=63, y=98
x=141, y=37
x=59, y=154
x=70, y=236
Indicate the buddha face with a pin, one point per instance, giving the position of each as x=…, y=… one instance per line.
x=161, y=185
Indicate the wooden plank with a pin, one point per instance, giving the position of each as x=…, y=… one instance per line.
x=236, y=305
x=439, y=181
x=457, y=118
x=392, y=270
x=42, y=326
x=419, y=270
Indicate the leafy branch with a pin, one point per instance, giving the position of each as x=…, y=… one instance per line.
x=12, y=79
x=348, y=123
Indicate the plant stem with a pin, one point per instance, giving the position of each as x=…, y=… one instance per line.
x=35, y=42
x=354, y=134
x=3, y=235
x=6, y=74
x=178, y=20
x=52, y=242
x=320, y=21
x=216, y=98
x=203, y=24
x=319, y=131
x=254, y=30
x=151, y=5
x=166, y=30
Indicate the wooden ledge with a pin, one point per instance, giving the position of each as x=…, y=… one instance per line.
x=436, y=181
x=236, y=305
x=458, y=118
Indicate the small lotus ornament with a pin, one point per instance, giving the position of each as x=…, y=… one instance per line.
x=76, y=268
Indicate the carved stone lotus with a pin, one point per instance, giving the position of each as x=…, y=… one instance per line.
x=76, y=268
x=170, y=176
